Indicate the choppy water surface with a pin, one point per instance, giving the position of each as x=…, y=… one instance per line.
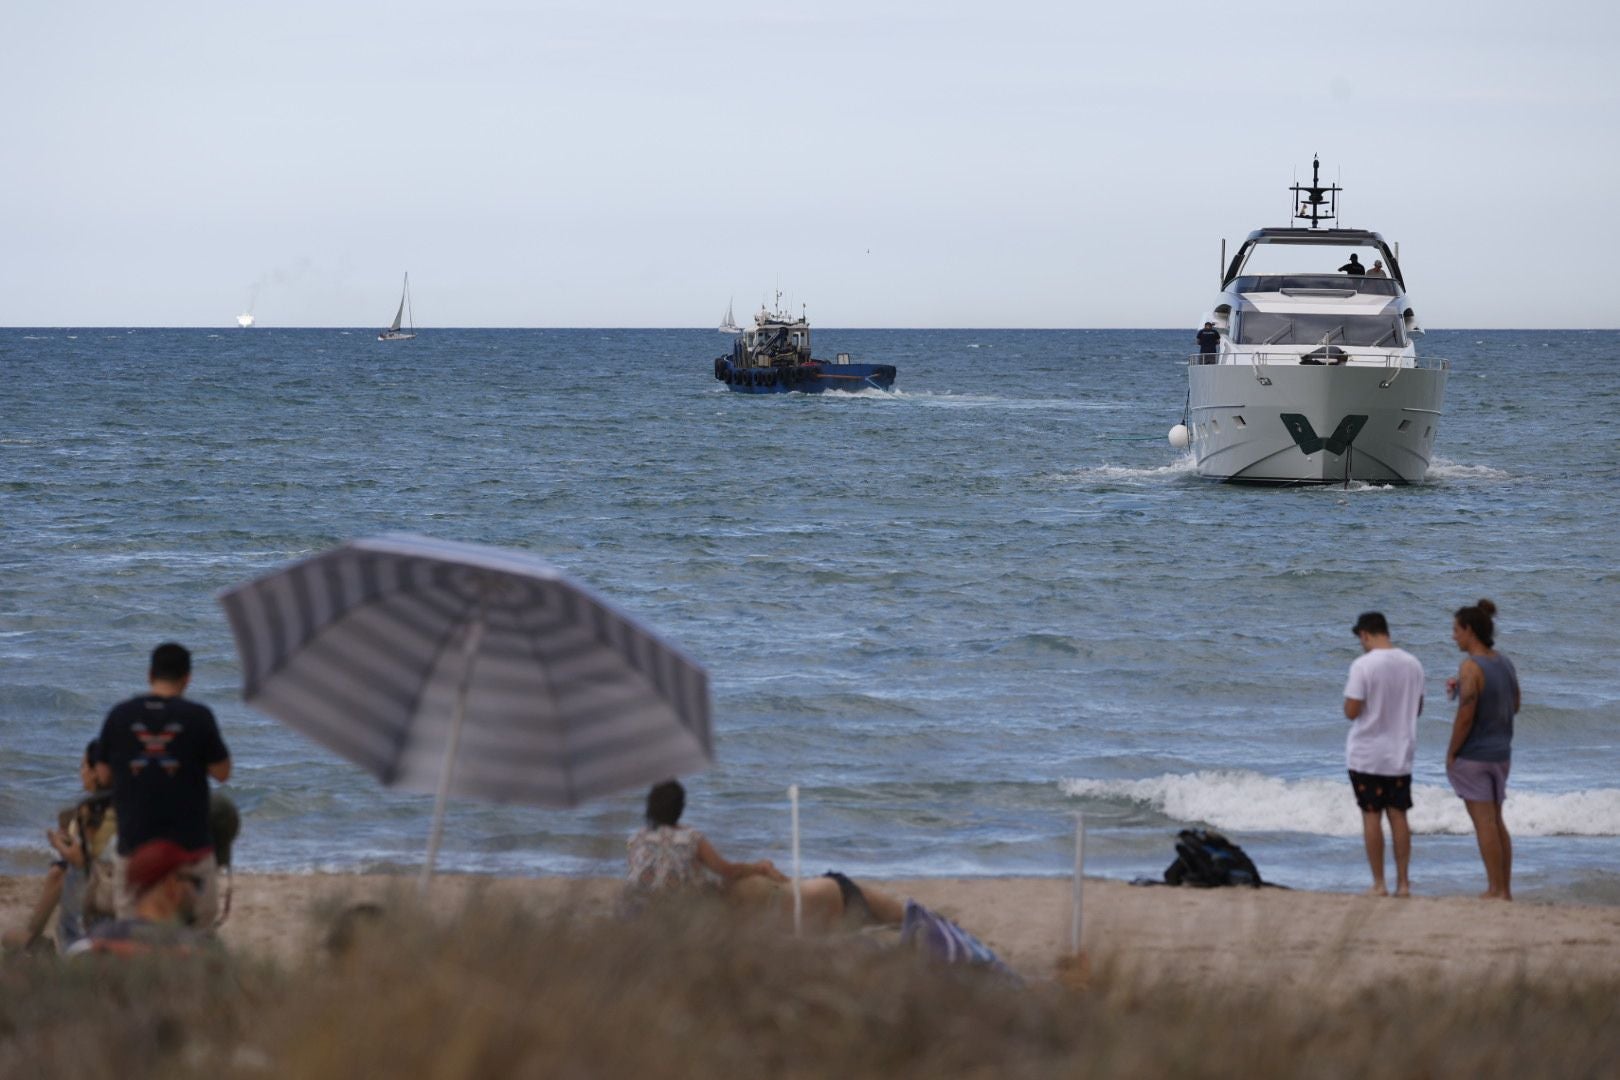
x=954, y=615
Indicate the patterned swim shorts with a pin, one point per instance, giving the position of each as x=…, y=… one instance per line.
x=1374, y=792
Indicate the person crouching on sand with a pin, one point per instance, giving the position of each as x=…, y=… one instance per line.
x=1383, y=698
x=669, y=859
x=1486, y=687
x=167, y=880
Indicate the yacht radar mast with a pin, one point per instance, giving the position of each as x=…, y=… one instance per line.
x=1315, y=203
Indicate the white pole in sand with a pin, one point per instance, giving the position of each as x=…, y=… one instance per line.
x=798, y=899
x=1079, y=872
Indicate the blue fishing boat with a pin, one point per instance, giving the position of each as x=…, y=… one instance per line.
x=773, y=357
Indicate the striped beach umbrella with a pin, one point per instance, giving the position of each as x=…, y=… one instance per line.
x=468, y=670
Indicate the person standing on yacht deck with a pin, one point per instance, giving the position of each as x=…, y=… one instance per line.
x=1383, y=698
x=1353, y=267
x=1209, y=343
x=1377, y=269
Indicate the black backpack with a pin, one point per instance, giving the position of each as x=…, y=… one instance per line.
x=1206, y=859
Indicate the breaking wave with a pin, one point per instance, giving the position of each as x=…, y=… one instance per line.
x=1244, y=801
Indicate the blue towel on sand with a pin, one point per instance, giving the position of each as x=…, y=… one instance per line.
x=930, y=932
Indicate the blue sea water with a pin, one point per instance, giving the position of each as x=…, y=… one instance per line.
x=955, y=614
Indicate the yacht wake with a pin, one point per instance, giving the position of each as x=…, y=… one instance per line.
x=1181, y=467
x=1445, y=469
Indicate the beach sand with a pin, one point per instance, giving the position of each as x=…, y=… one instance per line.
x=1323, y=943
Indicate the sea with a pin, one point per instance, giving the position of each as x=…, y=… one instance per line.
x=966, y=617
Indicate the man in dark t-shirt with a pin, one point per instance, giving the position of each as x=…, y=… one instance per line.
x=158, y=752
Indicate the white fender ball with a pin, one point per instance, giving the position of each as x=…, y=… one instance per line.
x=1178, y=436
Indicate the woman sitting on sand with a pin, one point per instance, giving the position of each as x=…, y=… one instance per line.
x=79, y=885
x=667, y=858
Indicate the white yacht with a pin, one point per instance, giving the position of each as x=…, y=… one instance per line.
x=1314, y=378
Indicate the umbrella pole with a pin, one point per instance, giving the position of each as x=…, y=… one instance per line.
x=1076, y=904
x=798, y=897
x=475, y=633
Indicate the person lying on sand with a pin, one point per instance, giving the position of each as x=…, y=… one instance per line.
x=668, y=858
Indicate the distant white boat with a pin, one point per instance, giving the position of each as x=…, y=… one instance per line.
x=244, y=320
x=404, y=314
x=728, y=325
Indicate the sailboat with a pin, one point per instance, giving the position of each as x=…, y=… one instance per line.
x=729, y=324
x=404, y=314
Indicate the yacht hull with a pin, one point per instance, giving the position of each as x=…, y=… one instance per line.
x=1308, y=424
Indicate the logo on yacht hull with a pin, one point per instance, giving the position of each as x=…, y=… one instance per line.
x=1306, y=438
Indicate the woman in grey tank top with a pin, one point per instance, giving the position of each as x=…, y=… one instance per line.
x=1487, y=691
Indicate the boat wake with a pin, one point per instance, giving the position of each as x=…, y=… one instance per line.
x=1178, y=469
x=1244, y=801
x=939, y=399
x=1445, y=470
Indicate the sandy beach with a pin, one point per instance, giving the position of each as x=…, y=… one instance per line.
x=1268, y=938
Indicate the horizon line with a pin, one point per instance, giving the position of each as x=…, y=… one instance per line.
x=710, y=329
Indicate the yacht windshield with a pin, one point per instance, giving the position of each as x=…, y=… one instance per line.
x=1367, y=286
x=1269, y=328
x=1315, y=259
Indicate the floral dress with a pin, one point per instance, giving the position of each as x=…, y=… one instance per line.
x=664, y=860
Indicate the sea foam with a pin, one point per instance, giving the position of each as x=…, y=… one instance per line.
x=1245, y=801
x=1443, y=469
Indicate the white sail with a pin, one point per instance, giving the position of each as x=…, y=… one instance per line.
x=729, y=324
x=394, y=333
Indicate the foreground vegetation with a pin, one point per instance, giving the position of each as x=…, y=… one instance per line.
x=500, y=991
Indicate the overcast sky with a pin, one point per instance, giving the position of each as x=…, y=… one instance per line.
x=915, y=163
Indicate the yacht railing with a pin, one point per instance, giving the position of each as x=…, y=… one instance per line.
x=1260, y=358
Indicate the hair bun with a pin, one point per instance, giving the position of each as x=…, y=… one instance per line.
x=1487, y=607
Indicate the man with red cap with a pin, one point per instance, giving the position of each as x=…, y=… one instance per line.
x=166, y=880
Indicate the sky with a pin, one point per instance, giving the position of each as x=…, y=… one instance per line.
x=919, y=163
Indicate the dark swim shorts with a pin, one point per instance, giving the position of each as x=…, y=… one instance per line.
x=1374, y=792
x=856, y=909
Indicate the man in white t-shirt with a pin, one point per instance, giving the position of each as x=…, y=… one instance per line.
x=1383, y=698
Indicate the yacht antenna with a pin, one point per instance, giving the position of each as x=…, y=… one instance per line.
x=1315, y=202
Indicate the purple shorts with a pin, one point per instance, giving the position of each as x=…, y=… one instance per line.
x=1478, y=781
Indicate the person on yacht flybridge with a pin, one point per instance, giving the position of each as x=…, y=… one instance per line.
x=1377, y=269
x=1353, y=267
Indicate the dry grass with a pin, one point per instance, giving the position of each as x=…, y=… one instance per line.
x=501, y=991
